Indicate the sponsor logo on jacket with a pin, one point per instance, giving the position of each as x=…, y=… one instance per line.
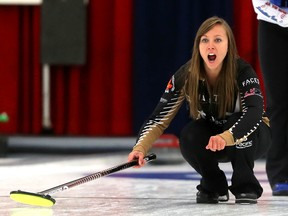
x=244, y=145
x=170, y=86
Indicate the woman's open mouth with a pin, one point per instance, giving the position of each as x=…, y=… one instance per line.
x=211, y=57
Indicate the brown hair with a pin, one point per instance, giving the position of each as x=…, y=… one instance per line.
x=226, y=83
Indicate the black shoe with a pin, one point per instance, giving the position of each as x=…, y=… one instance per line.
x=246, y=198
x=280, y=189
x=223, y=198
x=208, y=198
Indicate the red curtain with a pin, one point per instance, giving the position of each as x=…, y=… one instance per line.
x=94, y=99
x=246, y=29
x=19, y=69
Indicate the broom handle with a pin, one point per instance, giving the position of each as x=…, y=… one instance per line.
x=97, y=175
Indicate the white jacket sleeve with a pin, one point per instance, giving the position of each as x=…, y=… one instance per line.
x=271, y=13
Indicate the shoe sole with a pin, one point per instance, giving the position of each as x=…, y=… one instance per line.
x=245, y=201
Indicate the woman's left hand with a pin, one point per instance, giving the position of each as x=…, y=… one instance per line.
x=216, y=143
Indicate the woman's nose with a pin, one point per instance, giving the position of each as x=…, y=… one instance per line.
x=211, y=46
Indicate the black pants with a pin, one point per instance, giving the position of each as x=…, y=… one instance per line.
x=195, y=136
x=273, y=46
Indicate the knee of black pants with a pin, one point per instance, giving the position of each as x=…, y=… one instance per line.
x=264, y=140
x=260, y=139
x=194, y=137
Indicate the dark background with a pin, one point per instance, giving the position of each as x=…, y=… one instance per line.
x=130, y=50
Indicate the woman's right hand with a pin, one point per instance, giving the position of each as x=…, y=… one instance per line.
x=137, y=155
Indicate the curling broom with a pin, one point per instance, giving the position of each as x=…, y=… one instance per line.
x=44, y=199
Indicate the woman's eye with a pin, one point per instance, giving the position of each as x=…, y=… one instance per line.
x=218, y=40
x=204, y=40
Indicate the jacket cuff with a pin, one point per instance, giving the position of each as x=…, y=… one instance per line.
x=228, y=137
x=141, y=149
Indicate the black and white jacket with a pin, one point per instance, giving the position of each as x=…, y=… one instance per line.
x=249, y=102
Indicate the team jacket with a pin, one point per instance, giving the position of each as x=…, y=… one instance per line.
x=273, y=11
x=249, y=103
